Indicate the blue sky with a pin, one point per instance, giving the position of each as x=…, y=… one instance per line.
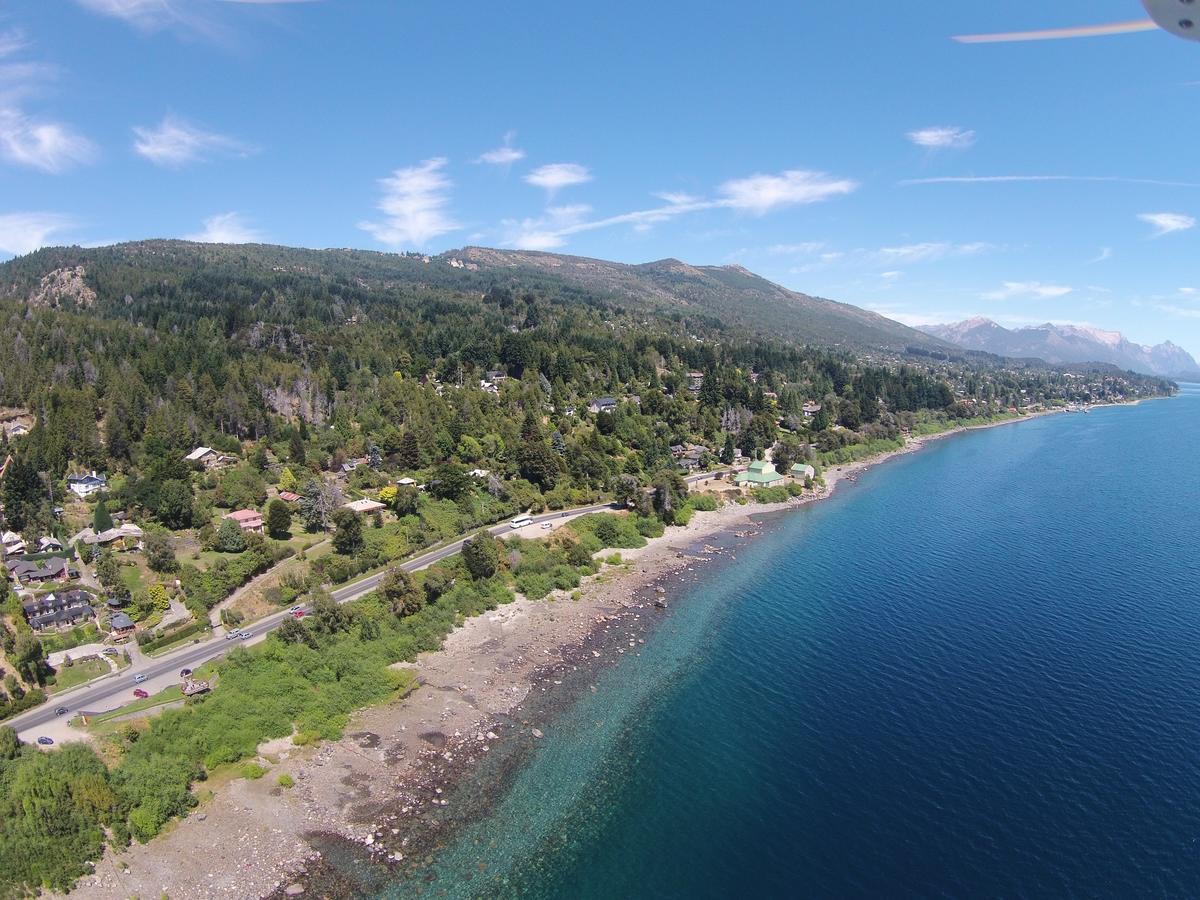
x=862, y=156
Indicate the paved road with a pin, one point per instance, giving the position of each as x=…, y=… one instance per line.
x=113, y=691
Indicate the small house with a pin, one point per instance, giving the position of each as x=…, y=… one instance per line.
x=602, y=405
x=85, y=485
x=695, y=381
x=811, y=408
x=364, y=506
x=801, y=471
x=14, y=545
x=120, y=624
x=289, y=496
x=209, y=458
x=49, y=545
x=247, y=519
x=760, y=474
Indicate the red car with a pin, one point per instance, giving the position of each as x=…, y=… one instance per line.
x=299, y=614
x=140, y=694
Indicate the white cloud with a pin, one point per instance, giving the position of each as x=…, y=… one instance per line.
x=414, y=205
x=1167, y=223
x=943, y=137
x=890, y=276
x=805, y=248
x=504, y=155
x=24, y=232
x=49, y=146
x=555, y=176
x=176, y=143
x=1182, y=312
x=759, y=194
x=1104, y=254
x=189, y=17
x=1028, y=289
x=226, y=228
x=11, y=41
x=548, y=232
x=930, y=251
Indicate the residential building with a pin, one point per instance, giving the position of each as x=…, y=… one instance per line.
x=14, y=544
x=87, y=484
x=811, y=408
x=365, y=506
x=49, y=544
x=695, y=381
x=59, y=609
x=125, y=536
x=247, y=519
x=120, y=624
x=56, y=568
x=760, y=474
x=602, y=405
x=801, y=471
x=289, y=496
x=209, y=458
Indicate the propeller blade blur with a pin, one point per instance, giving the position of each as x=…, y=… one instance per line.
x=1055, y=34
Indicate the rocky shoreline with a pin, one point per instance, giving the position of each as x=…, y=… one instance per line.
x=373, y=807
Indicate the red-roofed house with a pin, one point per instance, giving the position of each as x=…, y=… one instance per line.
x=289, y=496
x=248, y=520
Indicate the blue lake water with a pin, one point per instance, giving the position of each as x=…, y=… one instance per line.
x=974, y=673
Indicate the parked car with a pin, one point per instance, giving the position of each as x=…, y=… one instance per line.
x=140, y=694
x=299, y=614
x=138, y=679
x=546, y=525
x=184, y=673
x=232, y=635
x=60, y=711
x=45, y=741
x=295, y=609
x=110, y=651
x=245, y=634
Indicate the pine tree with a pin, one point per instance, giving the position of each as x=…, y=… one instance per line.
x=101, y=520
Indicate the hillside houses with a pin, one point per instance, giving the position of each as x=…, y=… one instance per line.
x=125, y=536
x=209, y=458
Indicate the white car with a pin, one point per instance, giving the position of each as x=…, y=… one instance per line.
x=546, y=525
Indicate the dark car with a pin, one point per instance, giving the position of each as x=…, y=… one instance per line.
x=60, y=711
x=45, y=741
x=140, y=694
x=184, y=673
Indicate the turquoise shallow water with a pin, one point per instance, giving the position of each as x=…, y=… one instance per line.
x=974, y=673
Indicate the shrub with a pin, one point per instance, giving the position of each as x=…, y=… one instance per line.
x=285, y=781
x=253, y=771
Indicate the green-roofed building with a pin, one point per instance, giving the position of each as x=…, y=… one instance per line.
x=801, y=471
x=760, y=474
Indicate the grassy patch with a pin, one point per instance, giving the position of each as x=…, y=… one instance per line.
x=78, y=673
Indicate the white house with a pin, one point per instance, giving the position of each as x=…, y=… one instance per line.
x=85, y=485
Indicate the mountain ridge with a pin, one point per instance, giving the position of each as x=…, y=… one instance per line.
x=731, y=295
x=1068, y=344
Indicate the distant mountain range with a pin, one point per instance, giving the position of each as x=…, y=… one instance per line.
x=1059, y=344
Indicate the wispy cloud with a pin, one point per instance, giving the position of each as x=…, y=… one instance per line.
x=226, y=228
x=942, y=137
x=1018, y=179
x=48, y=146
x=1181, y=312
x=1028, y=289
x=804, y=248
x=1167, y=223
x=759, y=194
x=504, y=155
x=930, y=251
x=414, y=205
x=175, y=143
x=26, y=140
x=555, y=176
x=12, y=41
x=24, y=232
x=1104, y=254
x=188, y=17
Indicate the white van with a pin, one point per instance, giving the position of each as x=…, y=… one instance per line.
x=520, y=522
